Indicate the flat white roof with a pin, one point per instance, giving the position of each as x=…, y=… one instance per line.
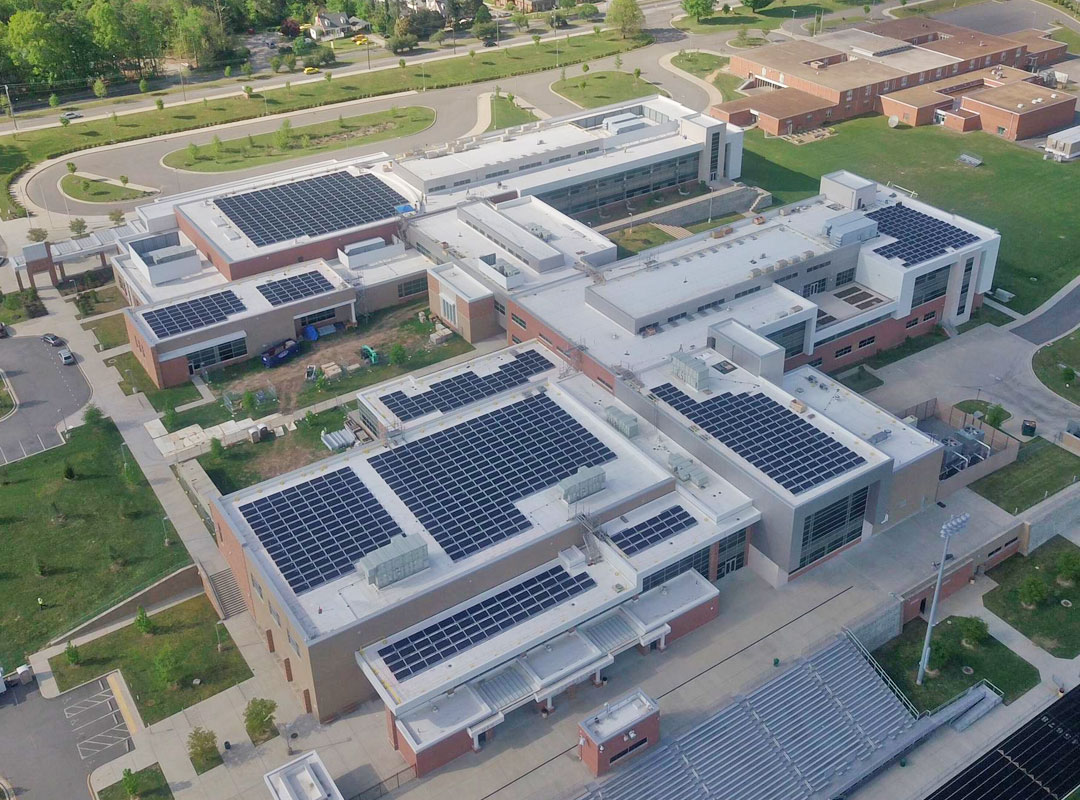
x=303, y=778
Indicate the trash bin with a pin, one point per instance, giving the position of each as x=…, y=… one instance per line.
x=1028, y=427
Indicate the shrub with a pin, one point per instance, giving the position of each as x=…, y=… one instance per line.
x=143, y=623
x=398, y=354
x=78, y=226
x=143, y=85
x=69, y=472
x=64, y=122
x=1033, y=591
x=168, y=417
x=228, y=71
x=54, y=101
x=100, y=89
x=202, y=745
x=1068, y=566
x=116, y=216
x=72, y=654
x=159, y=104
x=1068, y=374
x=401, y=44
x=168, y=667
x=972, y=629
x=259, y=717
x=37, y=234
x=995, y=415
x=129, y=782
x=217, y=449
x=943, y=651
x=71, y=167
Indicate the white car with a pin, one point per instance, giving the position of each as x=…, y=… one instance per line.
x=66, y=357
x=71, y=115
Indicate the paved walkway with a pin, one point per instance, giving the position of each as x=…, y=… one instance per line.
x=1054, y=318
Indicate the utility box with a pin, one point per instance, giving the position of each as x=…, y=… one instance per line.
x=402, y=557
x=584, y=482
x=690, y=370
x=617, y=731
x=624, y=423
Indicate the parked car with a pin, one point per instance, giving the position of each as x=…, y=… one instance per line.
x=489, y=43
x=71, y=115
x=310, y=70
x=280, y=352
x=52, y=340
x=66, y=357
x=3, y=331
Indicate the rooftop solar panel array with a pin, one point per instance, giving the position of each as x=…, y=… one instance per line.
x=295, y=287
x=645, y=534
x=1040, y=760
x=777, y=441
x=190, y=315
x=919, y=237
x=317, y=530
x=468, y=387
x=310, y=207
x=447, y=637
x=462, y=482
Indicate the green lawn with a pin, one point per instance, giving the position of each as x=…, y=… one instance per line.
x=244, y=465
x=715, y=222
x=31, y=147
x=1040, y=470
x=1034, y=245
x=254, y=151
x=641, y=237
x=703, y=65
x=971, y=406
x=1050, y=364
x=909, y=347
x=601, y=88
x=191, y=629
x=506, y=114
x=990, y=660
x=933, y=7
x=768, y=19
x=102, y=300
x=6, y=403
x=20, y=305
x=110, y=331
x=1070, y=37
x=859, y=380
x=133, y=378
x=152, y=786
x=98, y=191
x=1050, y=625
x=985, y=315
x=96, y=539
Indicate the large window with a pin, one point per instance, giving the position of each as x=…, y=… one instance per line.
x=698, y=561
x=318, y=316
x=965, y=285
x=616, y=188
x=732, y=554
x=411, y=287
x=814, y=287
x=832, y=527
x=930, y=286
x=518, y=320
x=845, y=276
x=449, y=311
x=209, y=356
x=791, y=339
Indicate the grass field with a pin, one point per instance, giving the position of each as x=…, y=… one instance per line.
x=971, y=406
x=702, y=65
x=984, y=315
x=152, y=786
x=601, y=88
x=6, y=402
x=1050, y=362
x=933, y=7
x=715, y=222
x=110, y=331
x=80, y=544
x=1034, y=245
x=767, y=19
x=31, y=147
x=1040, y=470
x=1070, y=37
x=990, y=660
x=103, y=300
x=91, y=190
x=506, y=114
x=909, y=347
x=133, y=378
x=191, y=629
x=307, y=140
x=642, y=237
x=1050, y=625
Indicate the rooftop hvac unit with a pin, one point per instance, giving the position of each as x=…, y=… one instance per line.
x=770, y=268
x=688, y=470
x=783, y=262
x=880, y=436
x=586, y=481
x=798, y=406
x=691, y=371
x=808, y=254
x=623, y=422
x=911, y=420
x=402, y=557
x=795, y=259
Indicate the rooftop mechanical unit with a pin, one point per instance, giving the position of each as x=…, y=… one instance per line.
x=623, y=422
x=692, y=371
x=584, y=482
x=402, y=557
x=686, y=469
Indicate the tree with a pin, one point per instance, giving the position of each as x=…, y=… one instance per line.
x=943, y=651
x=275, y=63
x=246, y=70
x=64, y=122
x=520, y=21
x=159, y=104
x=37, y=234
x=756, y=5
x=116, y=216
x=327, y=77
x=588, y=11
x=1068, y=374
x=72, y=167
x=202, y=745
x=54, y=101
x=129, y=782
x=698, y=8
x=78, y=226
x=637, y=73
x=437, y=38
x=192, y=152
x=725, y=9
x=290, y=62
x=1068, y=567
x=100, y=89
x=618, y=61
x=259, y=717
x=536, y=40
x=973, y=630
x=401, y=44
x=398, y=354
x=247, y=91
x=483, y=13
x=92, y=416
x=69, y=472
x=584, y=68
x=168, y=667
x=143, y=623
x=144, y=85
x=228, y=70
x=995, y=415
x=1033, y=591
x=566, y=5
x=626, y=17
x=866, y=10
x=123, y=180
x=37, y=46
x=72, y=654
x=216, y=147
x=484, y=30
x=283, y=135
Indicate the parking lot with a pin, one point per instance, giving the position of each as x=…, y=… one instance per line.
x=47, y=392
x=49, y=747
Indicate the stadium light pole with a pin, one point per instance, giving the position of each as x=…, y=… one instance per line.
x=948, y=530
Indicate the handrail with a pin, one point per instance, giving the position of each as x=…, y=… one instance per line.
x=881, y=672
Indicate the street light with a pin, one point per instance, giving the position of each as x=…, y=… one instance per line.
x=954, y=526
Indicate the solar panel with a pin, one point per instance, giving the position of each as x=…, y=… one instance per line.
x=310, y=207
x=777, y=441
x=468, y=387
x=295, y=287
x=919, y=237
x=317, y=530
x=191, y=315
x=450, y=636
x=462, y=482
x=645, y=534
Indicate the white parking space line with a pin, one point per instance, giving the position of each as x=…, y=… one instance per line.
x=78, y=707
x=116, y=735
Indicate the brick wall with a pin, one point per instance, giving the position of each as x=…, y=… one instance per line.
x=536, y=329
x=1032, y=122
x=693, y=619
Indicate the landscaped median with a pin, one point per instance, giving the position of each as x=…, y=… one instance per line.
x=99, y=190
x=590, y=90
x=217, y=155
x=704, y=65
x=19, y=152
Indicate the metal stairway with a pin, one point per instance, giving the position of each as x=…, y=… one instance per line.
x=228, y=593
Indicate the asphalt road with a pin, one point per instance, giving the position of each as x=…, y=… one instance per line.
x=1056, y=321
x=1005, y=17
x=49, y=747
x=47, y=392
